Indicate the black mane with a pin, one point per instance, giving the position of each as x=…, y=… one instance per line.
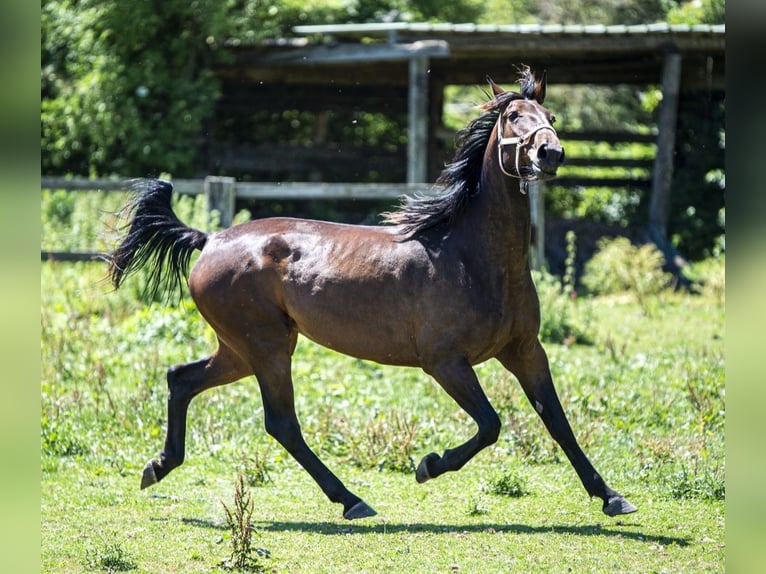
x=460, y=177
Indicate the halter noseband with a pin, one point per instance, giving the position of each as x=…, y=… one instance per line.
x=518, y=142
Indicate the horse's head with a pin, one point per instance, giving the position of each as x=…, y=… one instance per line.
x=527, y=145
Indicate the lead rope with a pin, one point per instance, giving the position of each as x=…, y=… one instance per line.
x=517, y=141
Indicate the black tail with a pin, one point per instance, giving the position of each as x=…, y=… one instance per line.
x=155, y=236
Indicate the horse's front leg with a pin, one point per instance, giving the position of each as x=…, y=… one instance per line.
x=530, y=365
x=184, y=383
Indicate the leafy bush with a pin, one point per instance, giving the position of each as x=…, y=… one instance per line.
x=619, y=266
x=109, y=104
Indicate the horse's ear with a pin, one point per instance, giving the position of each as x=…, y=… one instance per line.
x=496, y=90
x=539, y=93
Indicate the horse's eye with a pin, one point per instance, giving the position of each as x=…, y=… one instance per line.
x=514, y=115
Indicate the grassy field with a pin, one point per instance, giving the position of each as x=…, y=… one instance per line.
x=646, y=399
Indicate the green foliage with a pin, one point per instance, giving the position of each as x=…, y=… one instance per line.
x=564, y=317
x=688, y=483
x=697, y=12
x=619, y=266
x=477, y=506
x=125, y=85
x=78, y=221
x=709, y=277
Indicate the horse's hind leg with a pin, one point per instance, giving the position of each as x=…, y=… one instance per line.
x=530, y=365
x=272, y=369
x=459, y=380
x=184, y=383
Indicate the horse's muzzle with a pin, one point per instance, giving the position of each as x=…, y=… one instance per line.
x=548, y=159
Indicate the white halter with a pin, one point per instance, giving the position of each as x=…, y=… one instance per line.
x=518, y=142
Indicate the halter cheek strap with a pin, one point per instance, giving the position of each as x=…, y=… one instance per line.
x=518, y=142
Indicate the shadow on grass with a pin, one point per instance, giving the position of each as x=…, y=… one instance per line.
x=334, y=528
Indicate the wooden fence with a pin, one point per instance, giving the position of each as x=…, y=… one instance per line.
x=222, y=193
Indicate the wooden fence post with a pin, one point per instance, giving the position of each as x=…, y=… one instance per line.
x=662, y=180
x=666, y=138
x=417, y=134
x=537, y=215
x=221, y=195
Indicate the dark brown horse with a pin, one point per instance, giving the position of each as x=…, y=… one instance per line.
x=445, y=286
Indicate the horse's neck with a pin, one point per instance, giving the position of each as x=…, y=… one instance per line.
x=499, y=220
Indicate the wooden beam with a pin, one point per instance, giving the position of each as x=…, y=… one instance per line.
x=666, y=140
x=310, y=190
x=353, y=53
x=417, y=137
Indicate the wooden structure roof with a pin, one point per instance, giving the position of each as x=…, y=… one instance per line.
x=404, y=67
x=377, y=54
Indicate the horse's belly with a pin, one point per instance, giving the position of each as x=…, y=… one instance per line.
x=363, y=337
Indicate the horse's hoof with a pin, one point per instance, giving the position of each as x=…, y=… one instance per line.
x=360, y=510
x=617, y=505
x=149, y=477
x=421, y=473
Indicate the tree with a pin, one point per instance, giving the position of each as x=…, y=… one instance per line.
x=126, y=85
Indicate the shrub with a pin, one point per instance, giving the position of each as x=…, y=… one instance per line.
x=619, y=266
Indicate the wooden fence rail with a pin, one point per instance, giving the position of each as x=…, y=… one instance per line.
x=222, y=193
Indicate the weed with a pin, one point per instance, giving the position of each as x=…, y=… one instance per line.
x=709, y=277
x=696, y=483
x=109, y=557
x=477, y=506
x=509, y=482
x=564, y=318
x=388, y=443
x=255, y=468
x=240, y=523
x=59, y=441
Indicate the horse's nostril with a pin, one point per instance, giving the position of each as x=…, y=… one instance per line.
x=542, y=153
x=561, y=157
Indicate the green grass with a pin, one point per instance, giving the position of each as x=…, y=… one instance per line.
x=646, y=399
